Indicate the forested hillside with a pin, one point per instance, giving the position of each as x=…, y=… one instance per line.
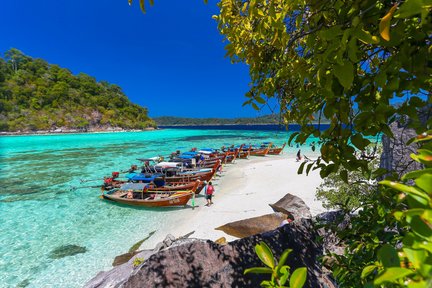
x=267, y=119
x=36, y=95
x=168, y=120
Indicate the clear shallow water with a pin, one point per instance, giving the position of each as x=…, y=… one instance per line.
x=39, y=212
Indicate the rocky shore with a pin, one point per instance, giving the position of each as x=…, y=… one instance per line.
x=192, y=262
x=73, y=131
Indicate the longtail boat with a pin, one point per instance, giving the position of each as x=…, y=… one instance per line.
x=194, y=175
x=245, y=152
x=138, y=194
x=261, y=151
x=232, y=154
x=276, y=150
x=172, y=186
x=160, y=199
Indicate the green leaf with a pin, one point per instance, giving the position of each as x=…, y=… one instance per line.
x=425, y=182
x=300, y=169
x=404, y=188
x=391, y=274
x=421, y=228
x=368, y=270
x=284, y=257
x=366, y=37
x=265, y=254
x=298, y=278
x=415, y=256
x=309, y=167
x=258, y=270
x=416, y=174
x=359, y=141
x=284, y=271
x=255, y=106
x=345, y=74
x=260, y=100
x=409, y=8
x=388, y=256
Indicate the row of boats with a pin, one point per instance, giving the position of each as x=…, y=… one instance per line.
x=173, y=182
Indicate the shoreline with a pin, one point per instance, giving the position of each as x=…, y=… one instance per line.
x=240, y=194
x=69, y=132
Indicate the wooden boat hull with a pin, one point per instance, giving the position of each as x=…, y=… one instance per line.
x=170, y=186
x=261, y=152
x=243, y=154
x=275, y=150
x=176, y=199
x=179, y=186
x=206, y=176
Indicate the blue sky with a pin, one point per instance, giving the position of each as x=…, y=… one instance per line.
x=170, y=60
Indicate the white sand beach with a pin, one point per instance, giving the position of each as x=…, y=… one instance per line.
x=244, y=190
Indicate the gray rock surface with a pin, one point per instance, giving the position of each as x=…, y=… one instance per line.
x=252, y=226
x=396, y=154
x=117, y=276
x=292, y=206
x=199, y=263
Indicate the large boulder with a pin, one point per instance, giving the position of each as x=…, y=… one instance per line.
x=252, y=226
x=200, y=263
x=292, y=206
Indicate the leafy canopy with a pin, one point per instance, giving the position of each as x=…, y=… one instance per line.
x=345, y=60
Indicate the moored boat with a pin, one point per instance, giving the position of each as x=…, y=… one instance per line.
x=276, y=150
x=261, y=151
x=140, y=194
x=161, y=199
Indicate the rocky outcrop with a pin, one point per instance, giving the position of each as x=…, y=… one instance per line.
x=252, y=226
x=292, y=206
x=203, y=263
x=396, y=154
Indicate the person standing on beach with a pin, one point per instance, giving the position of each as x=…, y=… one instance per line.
x=209, y=193
x=298, y=158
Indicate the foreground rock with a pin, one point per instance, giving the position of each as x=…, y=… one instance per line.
x=292, y=206
x=203, y=263
x=252, y=226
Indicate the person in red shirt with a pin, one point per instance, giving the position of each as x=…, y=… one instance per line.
x=209, y=193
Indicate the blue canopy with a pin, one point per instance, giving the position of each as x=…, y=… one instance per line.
x=143, y=177
x=186, y=156
x=208, y=149
x=190, y=153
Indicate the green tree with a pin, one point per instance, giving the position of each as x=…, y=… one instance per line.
x=345, y=60
x=35, y=95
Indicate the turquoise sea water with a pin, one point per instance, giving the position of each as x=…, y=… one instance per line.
x=39, y=212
